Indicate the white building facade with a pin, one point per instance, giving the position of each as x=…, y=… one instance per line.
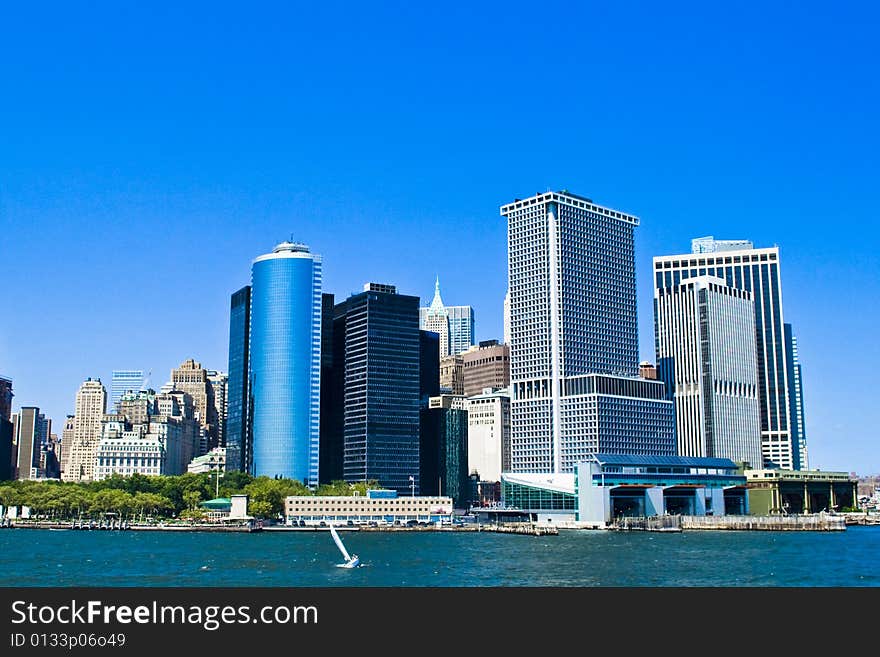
x=488, y=441
x=91, y=404
x=572, y=287
x=755, y=270
x=706, y=356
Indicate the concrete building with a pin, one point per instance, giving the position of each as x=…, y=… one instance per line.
x=28, y=426
x=756, y=271
x=213, y=461
x=507, y=318
x=123, y=381
x=383, y=507
x=778, y=491
x=219, y=382
x=452, y=374
x=454, y=324
x=91, y=405
x=706, y=356
x=486, y=365
x=137, y=407
x=124, y=450
x=285, y=363
x=648, y=370
x=192, y=379
x=66, y=441
x=574, y=341
x=488, y=436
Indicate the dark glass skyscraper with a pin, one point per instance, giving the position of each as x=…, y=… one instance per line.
x=332, y=393
x=285, y=363
x=376, y=339
x=238, y=452
x=800, y=460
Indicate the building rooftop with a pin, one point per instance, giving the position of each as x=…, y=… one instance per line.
x=686, y=461
x=568, y=198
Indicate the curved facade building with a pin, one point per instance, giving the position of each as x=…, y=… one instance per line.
x=285, y=363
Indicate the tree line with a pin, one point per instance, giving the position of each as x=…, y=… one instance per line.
x=160, y=497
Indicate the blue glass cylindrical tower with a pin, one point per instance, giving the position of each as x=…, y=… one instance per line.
x=285, y=362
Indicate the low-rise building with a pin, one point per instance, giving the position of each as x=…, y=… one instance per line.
x=211, y=462
x=226, y=509
x=611, y=486
x=383, y=507
x=800, y=491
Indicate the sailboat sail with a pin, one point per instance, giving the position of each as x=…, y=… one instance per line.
x=339, y=543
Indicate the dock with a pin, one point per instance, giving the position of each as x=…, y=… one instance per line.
x=821, y=522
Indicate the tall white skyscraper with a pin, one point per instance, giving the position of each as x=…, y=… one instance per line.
x=573, y=332
x=121, y=382
x=705, y=340
x=91, y=404
x=756, y=271
x=507, y=317
x=454, y=324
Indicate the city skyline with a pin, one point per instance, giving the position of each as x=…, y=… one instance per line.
x=190, y=160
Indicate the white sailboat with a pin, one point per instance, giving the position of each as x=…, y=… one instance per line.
x=351, y=561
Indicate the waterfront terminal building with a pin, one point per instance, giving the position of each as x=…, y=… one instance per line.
x=611, y=486
x=383, y=507
x=800, y=491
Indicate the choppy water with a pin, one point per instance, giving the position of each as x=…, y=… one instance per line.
x=574, y=558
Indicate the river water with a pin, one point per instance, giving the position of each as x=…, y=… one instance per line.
x=31, y=557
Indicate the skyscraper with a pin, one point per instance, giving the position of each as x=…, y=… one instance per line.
x=507, y=317
x=220, y=385
x=192, y=378
x=121, y=382
x=450, y=412
x=238, y=442
x=66, y=441
x=7, y=435
x=28, y=427
x=756, y=271
x=800, y=457
x=91, y=404
x=285, y=362
x=454, y=324
x=377, y=344
x=5, y=398
x=574, y=342
x=705, y=341
x=486, y=365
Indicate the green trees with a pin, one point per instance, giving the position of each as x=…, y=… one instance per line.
x=138, y=496
x=266, y=495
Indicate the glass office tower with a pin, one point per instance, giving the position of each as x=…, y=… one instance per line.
x=285, y=363
x=121, y=382
x=378, y=340
x=755, y=270
x=238, y=445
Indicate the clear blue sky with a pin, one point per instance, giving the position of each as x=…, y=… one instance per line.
x=149, y=152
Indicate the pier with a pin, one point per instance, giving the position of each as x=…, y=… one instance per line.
x=808, y=522
x=821, y=522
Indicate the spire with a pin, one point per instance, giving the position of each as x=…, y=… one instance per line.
x=437, y=306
